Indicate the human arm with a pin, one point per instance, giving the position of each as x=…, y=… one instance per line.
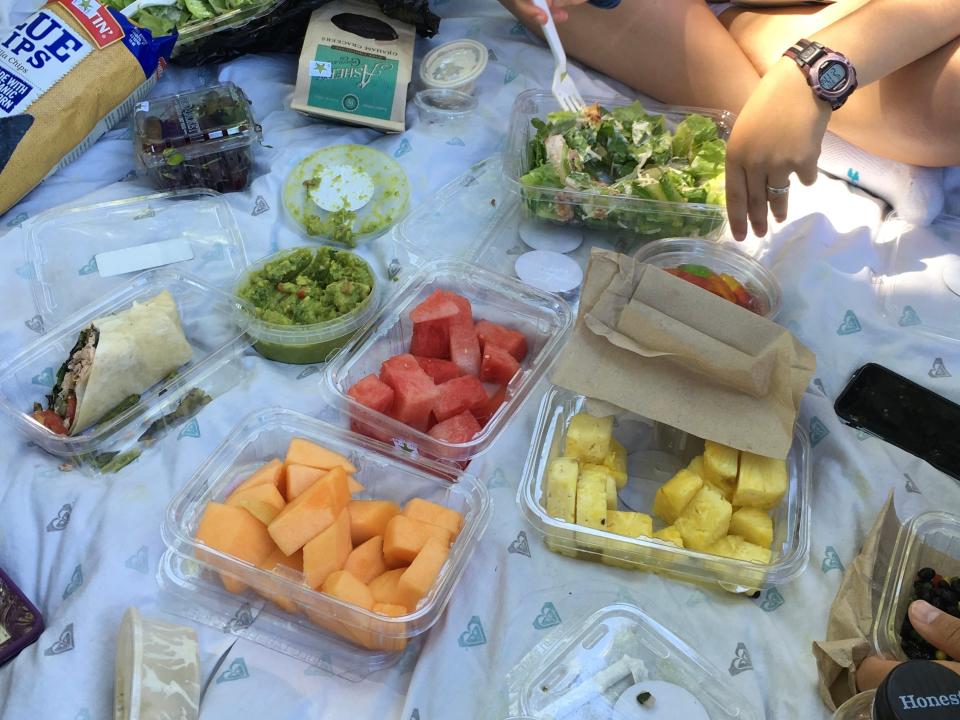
x=526, y=10
x=781, y=126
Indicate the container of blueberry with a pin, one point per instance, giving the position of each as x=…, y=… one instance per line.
x=202, y=138
x=925, y=565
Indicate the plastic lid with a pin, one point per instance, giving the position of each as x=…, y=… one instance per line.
x=77, y=255
x=174, y=128
x=620, y=664
x=453, y=64
x=346, y=193
x=918, y=690
x=549, y=271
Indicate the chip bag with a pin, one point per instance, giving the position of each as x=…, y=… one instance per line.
x=68, y=73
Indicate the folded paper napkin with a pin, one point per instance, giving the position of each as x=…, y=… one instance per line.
x=660, y=347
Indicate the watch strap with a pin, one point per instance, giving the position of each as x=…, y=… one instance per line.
x=605, y=4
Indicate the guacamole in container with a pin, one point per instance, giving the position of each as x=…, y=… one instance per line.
x=306, y=303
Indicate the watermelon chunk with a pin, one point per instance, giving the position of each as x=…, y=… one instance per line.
x=484, y=412
x=439, y=370
x=458, y=429
x=510, y=340
x=498, y=365
x=465, y=315
x=459, y=395
x=373, y=393
x=414, y=392
x=436, y=307
x=431, y=339
x=370, y=431
x=465, y=348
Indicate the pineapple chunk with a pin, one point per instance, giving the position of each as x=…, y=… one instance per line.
x=720, y=468
x=562, y=488
x=611, y=493
x=630, y=524
x=674, y=495
x=753, y=525
x=736, y=548
x=592, y=501
x=554, y=545
x=671, y=535
x=696, y=466
x=588, y=438
x=616, y=463
x=602, y=471
x=762, y=481
x=705, y=520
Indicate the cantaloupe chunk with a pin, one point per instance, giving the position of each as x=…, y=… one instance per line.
x=405, y=537
x=311, y=512
x=417, y=579
x=263, y=501
x=384, y=587
x=300, y=478
x=431, y=512
x=344, y=586
x=354, y=485
x=369, y=518
x=304, y=452
x=233, y=531
x=270, y=473
x=327, y=552
x=366, y=561
x=374, y=639
x=275, y=561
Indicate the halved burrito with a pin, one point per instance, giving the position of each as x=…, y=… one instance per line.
x=115, y=357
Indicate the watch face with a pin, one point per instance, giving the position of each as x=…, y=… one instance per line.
x=832, y=76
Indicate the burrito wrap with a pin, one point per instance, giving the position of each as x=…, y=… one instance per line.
x=137, y=349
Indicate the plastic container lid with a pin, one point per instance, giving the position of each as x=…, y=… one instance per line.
x=918, y=690
x=20, y=621
x=721, y=258
x=157, y=671
x=439, y=106
x=387, y=473
x=200, y=138
x=928, y=540
x=602, y=667
x=78, y=255
x=655, y=453
x=454, y=65
x=919, y=284
x=304, y=344
x=346, y=193
x=209, y=319
x=544, y=320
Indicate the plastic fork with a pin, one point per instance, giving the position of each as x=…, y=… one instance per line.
x=137, y=5
x=563, y=88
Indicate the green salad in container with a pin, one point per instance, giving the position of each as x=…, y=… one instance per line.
x=626, y=169
x=162, y=19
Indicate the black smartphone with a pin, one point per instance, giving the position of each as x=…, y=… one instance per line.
x=902, y=413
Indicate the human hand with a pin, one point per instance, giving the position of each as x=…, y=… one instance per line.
x=777, y=133
x=937, y=628
x=529, y=11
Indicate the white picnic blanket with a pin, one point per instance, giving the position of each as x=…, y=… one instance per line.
x=84, y=549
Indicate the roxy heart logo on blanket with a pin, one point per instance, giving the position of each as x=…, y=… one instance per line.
x=473, y=636
x=741, y=660
x=236, y=671
x=548, y=617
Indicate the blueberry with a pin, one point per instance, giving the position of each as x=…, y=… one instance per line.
x=926, y=574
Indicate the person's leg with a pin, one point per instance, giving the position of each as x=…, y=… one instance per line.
x=910, y=116
x=676, y=51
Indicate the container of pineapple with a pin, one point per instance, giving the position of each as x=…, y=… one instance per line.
x=636, y=494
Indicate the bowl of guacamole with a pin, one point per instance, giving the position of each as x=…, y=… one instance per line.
x=304, y=304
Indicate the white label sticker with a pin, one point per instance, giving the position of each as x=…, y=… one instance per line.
x=143, y=257
x=321, y=69
x=34, y=56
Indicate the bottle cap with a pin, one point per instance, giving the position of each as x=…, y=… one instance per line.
x=918, y=690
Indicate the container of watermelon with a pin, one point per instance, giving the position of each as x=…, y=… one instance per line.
x=718, y=268
x=443, y=369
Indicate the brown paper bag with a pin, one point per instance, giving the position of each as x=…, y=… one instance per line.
x=662, y=348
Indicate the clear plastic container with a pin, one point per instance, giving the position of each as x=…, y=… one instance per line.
x=928, y=540
x=194, y=228
x=447, y=108
x=201, y=138
x=234, y=18
x=305, y=344
x=643, y=219
x=919, y=283
x=543, y=318
x=655, y=453
x=187, y=569
x=454, y=65
x=595, y=669
x=859, y=707
x=209, y=320
x=721, y=258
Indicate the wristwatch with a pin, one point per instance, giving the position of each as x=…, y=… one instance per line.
x=829, y=73
x=604, y=4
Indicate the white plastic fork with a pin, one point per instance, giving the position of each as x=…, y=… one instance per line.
x=563, y=88
x=137, y=5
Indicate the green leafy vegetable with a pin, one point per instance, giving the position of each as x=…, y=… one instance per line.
x=163, y=19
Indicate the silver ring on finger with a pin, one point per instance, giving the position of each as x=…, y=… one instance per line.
x=778, y=190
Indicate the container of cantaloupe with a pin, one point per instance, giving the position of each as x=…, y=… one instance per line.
x=632, y=493
x=447, y=363
x=334, y=545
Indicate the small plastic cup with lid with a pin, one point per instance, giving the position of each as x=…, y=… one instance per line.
x=915, y=690
x=454, y=65
x=447, y=108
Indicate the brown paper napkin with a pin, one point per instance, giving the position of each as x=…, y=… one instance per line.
x=655, y=345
